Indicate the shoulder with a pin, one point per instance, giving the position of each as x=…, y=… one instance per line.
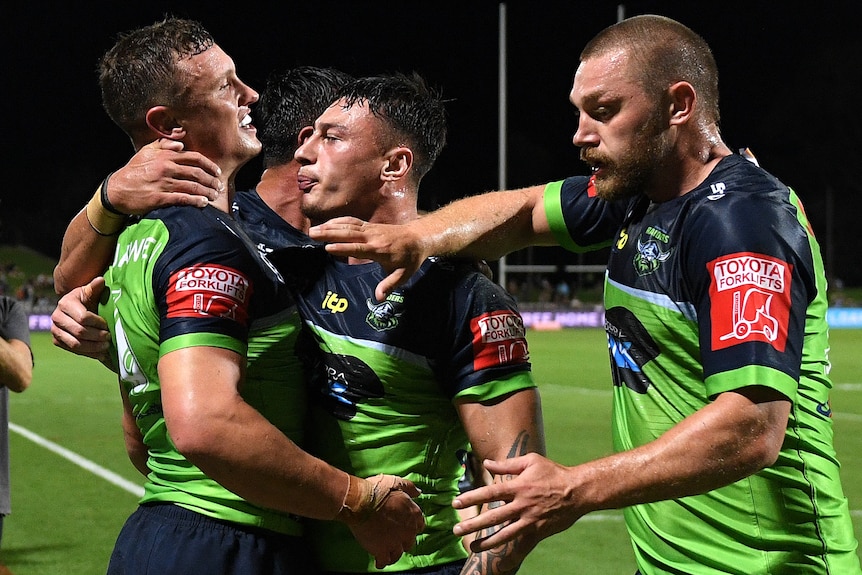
x=467, y=281
x=14, y=323
x=740, y=197
x=11, y=309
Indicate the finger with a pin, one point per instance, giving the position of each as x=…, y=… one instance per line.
x=489, y=517
x=195, y=200
x=348, y=221
x=389, y=283
x=190, y=186
x=167, y=144
x=342, y=246
x=337, y=229
x=504, y=535
x=407, y=487
x=513, y=466
x=187, y=158
x=91, y=293
x=68, y=342
x=481, y=496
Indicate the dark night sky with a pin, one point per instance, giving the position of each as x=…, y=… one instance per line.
x=789, y=77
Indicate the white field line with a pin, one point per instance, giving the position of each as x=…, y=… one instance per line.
x=82, y=462
x=138, y=491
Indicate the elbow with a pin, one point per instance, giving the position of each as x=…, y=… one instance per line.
x=61, y=285
x=26, y=380
x=767, y=453
x=189, y=434
x=20, y=381
x=760, y=453
x=191, y=441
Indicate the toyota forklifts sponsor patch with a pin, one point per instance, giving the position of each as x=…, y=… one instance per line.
x=750, y=299
x=209, y=290
x=499, y=338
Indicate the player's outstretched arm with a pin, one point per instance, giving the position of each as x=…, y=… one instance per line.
x=159, y=174
x=738, y=434
x=486, y=226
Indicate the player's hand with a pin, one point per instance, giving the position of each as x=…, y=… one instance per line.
x=76, y=327
x=394, y=522
x=538, y=502
x=395, y=247
x=162, y=174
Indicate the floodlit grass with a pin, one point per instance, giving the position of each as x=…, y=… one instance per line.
x=65, y=518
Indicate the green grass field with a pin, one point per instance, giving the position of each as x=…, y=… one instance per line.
x=66, y=517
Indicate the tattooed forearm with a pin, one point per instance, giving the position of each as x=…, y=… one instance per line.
x=491, y=562
x=498, y=561
x=520, y=445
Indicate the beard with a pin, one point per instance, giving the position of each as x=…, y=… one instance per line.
x=633, y=171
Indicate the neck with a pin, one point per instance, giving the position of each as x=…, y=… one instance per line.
x=396, y=205
x=225, y=199
x=685, y=168
x=278, y=189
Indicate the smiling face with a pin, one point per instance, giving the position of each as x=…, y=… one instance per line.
x=215, y=110
x=622, y=133
x=341, y=164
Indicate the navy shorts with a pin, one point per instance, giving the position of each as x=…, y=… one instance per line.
x=166, y=539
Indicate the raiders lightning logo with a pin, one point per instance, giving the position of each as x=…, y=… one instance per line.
x=384, y=315
x=650, y=254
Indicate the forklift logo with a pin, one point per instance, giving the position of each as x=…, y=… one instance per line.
x=752, y=315
x=750, y=300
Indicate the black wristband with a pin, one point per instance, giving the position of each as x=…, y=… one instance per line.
x=106, y=203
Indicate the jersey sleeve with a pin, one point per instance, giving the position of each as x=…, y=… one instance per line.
x=753, y=278
x=204, y=292
x=489, y=352
x=579, y=220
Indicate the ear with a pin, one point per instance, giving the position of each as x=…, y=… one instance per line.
x=682, y=100
x=398, y=163
x=304, y=134
x=161, y=120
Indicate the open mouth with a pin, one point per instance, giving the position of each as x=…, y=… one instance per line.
x=245, y=122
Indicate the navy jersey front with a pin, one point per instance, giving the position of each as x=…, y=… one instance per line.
x=386, y=379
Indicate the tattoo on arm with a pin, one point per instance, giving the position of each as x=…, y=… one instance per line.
x=491, y=561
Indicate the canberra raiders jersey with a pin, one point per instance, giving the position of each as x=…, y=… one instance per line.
x=272, y=343
x=265, y=227
x=184, y=277
x=716, y=290
x=387, y=377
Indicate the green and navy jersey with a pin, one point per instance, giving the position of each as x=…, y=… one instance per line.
x=386, y=377
x=716, y=290
x=184, y=277
x=275, y=329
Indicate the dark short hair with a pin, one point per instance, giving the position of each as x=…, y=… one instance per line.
x=414, y=112
x=292, y=100
x=139, y=71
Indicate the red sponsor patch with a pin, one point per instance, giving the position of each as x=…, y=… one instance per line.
x=499, y=338
x=591, y=187
x=749, y=299
x=209, y=290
